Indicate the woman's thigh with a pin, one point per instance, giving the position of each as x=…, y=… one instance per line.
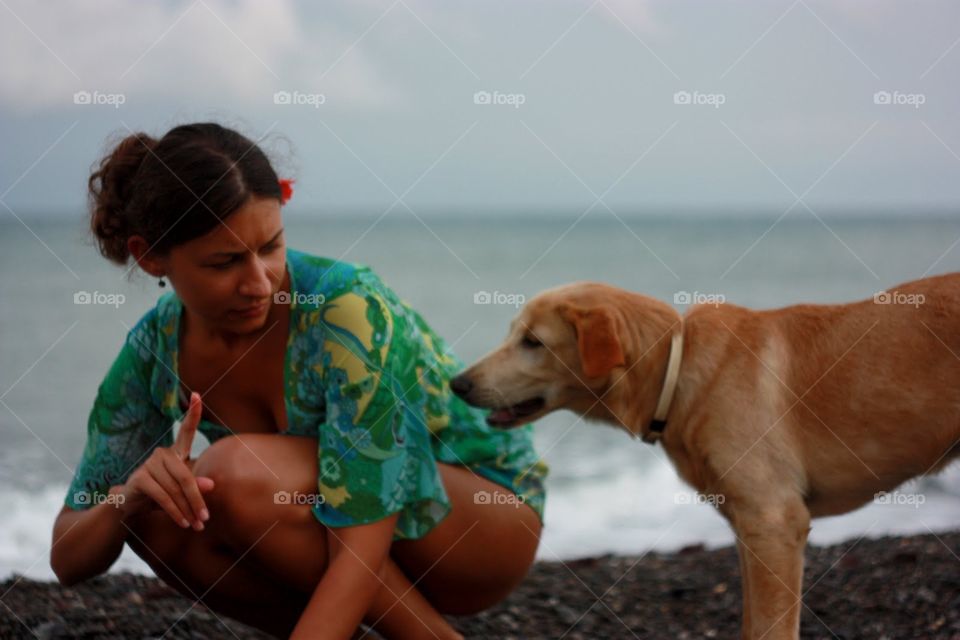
x=254, y=507
x=276, y=538
x=201, y=568
x=471, y=560
x=479, y=553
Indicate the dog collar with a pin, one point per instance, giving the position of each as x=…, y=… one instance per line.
x=659, y=422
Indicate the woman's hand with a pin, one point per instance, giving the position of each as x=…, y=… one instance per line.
x=166, y=479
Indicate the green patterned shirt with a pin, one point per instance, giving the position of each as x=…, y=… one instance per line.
x=363, y=373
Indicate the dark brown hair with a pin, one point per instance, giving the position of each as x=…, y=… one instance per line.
x=176, y=188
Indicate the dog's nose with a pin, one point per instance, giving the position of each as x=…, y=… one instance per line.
x=461, y=385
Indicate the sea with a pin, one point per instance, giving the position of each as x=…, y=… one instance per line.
x=468, y=274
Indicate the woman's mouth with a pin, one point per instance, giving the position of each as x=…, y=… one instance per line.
x=251, y=311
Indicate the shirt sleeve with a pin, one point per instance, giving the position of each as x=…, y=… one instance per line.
x=124, y=425
x=375, y=455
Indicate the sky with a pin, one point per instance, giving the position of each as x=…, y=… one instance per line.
x=473, y=108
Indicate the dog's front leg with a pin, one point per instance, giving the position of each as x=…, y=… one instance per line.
x=771, y=541
x=744, y=587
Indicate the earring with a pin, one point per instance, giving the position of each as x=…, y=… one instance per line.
x=161, y=282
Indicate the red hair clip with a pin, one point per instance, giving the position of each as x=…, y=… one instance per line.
x=286, y=189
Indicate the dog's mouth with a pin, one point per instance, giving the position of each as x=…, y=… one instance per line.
x=512, y=415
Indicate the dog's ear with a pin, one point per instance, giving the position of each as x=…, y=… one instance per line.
x=597, y=341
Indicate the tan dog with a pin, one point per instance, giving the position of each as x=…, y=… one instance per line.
x=789, y=414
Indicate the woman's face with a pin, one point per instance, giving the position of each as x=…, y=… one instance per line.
x=228, y=277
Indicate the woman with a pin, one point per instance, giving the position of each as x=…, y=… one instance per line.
x=344, y=482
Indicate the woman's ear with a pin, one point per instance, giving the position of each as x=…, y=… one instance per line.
x=148, y=260
x=597, y=340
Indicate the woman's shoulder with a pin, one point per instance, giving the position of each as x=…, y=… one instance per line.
x=314, y=274
x=150, y=337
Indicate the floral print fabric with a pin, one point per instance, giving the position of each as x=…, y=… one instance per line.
x=364, y=374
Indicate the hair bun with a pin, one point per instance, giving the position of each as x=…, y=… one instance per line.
x=174, y=189
x=111, y=187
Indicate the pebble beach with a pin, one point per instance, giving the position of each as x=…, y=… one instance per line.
x=886, y=588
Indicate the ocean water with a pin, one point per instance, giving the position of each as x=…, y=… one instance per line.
x=606, y=492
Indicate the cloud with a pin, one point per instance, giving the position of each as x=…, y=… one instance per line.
x=194, y=51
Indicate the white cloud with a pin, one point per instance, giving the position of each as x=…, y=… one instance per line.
x=207, y=49
x=635, y=15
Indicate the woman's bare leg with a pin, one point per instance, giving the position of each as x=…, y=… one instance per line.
x=203, y=569
x=284, y=538
x=470, y=561
x=479, y=553
x=199, y=567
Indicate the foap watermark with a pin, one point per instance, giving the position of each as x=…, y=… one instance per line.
x=714, y=100
x=895, y=497
x=98, y=297
x=298, y=98
x=298, y=498
x=85, y=498
x=300, y=299
x=516, y=300
x=698, y=297
x=498, y=497
x=514, y=100
x=896, y=297
x=98, y=98
x=914, y=100
x=712, y=499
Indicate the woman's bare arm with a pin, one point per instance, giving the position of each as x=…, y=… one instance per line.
x=86, y=543
x=350, y=583
x=362, y=582
x=399, y=610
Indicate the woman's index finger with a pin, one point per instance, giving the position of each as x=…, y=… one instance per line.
x=188, y=427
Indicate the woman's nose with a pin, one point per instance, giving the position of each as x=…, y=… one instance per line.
x=256, y=282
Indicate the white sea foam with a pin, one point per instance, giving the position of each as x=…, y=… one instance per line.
x=632, y=513
x=27, y=535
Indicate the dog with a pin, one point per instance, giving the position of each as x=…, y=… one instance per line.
x=788, y=414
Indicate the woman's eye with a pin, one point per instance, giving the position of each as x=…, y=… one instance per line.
x=530, y=342
x=223, y=265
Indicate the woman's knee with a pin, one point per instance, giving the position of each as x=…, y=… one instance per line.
x=253, y=474
x=227, y=460
x=255, y=457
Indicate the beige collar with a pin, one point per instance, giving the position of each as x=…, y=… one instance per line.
x=659, y=422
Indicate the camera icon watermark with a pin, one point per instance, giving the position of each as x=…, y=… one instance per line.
x=87, y=498
x=515, y=100
x=97, y=297
x=498, y=497
x=698, y=297
x=897, y=98
x=297, y=98
x=97, y=98
x=914, y=500
x=712, y=499
x=515, y=300
x=715, y=100
x=298, y=498
x=299, y=299
x=895, y=297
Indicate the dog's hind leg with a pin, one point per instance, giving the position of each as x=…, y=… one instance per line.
x=771, y=541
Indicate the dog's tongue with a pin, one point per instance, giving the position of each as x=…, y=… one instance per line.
x=500, y=416
x=510, y=415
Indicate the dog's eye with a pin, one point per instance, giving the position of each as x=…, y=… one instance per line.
x=530, y=342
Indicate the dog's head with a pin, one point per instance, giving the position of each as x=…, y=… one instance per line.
x=562, y=351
